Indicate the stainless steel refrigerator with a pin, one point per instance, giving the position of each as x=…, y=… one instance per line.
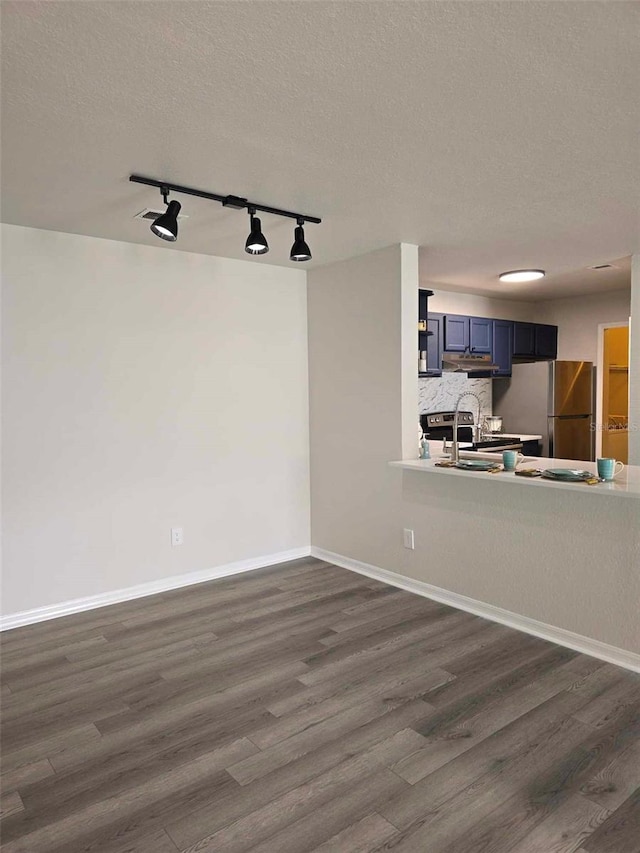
x=570, y=410
x=551, y=399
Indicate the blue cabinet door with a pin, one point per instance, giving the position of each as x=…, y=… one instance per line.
x=524, y=339
x=546, y=341
x=434, y=345
x=456, y=333
x=480, y=334
x=502, y=346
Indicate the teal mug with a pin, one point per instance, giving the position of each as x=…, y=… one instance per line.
x=608, y=468
x=511, y=459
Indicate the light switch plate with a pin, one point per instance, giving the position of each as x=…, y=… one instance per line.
x=408, y=539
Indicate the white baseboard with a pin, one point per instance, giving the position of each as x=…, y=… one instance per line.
x=561, y=636
x=77, y=605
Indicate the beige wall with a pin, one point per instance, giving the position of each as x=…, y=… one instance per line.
x=356, y=312
x=578, y=318
x=634, y=365
x=566, y=560
x=146, y=388
x=477, y=305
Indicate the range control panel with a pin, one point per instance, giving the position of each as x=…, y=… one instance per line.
x=446, y=419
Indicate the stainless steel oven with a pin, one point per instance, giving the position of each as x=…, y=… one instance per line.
x=439, y=426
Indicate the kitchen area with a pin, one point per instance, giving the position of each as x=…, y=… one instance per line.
x=507, y=375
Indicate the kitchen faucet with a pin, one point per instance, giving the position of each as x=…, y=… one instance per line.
x=455, y=452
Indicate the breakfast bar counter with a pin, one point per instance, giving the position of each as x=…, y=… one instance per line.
x=625, y=485
x=560, y=559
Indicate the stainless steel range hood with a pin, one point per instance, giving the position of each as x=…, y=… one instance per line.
x=457, y=362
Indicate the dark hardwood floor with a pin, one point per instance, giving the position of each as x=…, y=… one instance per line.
x=306, y=708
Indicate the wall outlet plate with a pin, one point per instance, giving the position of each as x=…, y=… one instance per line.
x=177, y=536
x=407, y=537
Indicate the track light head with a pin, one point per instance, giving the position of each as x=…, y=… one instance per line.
x=166, y=225
x=256, y=242
x=300, y=250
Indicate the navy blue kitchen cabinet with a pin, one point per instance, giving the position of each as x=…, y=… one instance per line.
x=456, y=333
x=502, y=346
x=531, y=448
x=546, y=341
x=434, y=344
x=505, y=341
x=524, y=340
x=535, y=341
x=480, y=335
x=429, y=337
x=467, y=334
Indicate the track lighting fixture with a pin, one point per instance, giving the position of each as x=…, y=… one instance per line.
x=300, y=251
x=256, y=243
x=166, y=225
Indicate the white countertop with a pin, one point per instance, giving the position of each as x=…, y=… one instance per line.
x=626, y=484
x=463, y=445
x=519, y=435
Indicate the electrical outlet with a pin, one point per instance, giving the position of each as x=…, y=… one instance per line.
x=407, y=536
x=177, y=536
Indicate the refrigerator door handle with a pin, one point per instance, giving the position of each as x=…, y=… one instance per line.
x=569, y=417
x=552, y=419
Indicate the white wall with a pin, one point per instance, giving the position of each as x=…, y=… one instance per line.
x=578, y=317
x=566, y=560
x=146, y=388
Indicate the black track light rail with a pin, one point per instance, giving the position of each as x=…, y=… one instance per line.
x=233, y=201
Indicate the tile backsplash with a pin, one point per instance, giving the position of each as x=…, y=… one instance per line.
x=440, y=393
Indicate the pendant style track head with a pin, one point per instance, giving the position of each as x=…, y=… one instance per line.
x=166, y=225
x=300, y=250
x=256, y=241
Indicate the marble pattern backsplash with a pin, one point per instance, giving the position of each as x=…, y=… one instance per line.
x=440, y=393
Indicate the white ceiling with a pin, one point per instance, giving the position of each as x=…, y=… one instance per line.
x=496, y=135
x=555, y=285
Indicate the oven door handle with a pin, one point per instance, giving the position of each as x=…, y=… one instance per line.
x=502, y=447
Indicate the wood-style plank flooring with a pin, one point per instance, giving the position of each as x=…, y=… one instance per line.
x=306, y=708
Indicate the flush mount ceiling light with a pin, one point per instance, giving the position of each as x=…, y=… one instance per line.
x=166, y=225
x=256, y=243
x=300, y=251
x=521, y=275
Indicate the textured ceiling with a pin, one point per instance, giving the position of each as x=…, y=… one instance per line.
x=495, y=135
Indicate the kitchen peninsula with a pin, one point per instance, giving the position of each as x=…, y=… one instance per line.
x=626, y=484
x=559, y=560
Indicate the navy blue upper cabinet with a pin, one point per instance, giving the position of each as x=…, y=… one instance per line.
x=524, y=340
x=430, y=337
x=480, y=335
x=456, y=333
x=467, y=334
x=502, y=346
x=434, y=345
x=504, y=341
x=535, y=341
x=546, y=341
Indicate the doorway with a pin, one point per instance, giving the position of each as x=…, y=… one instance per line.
x=612, y=439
